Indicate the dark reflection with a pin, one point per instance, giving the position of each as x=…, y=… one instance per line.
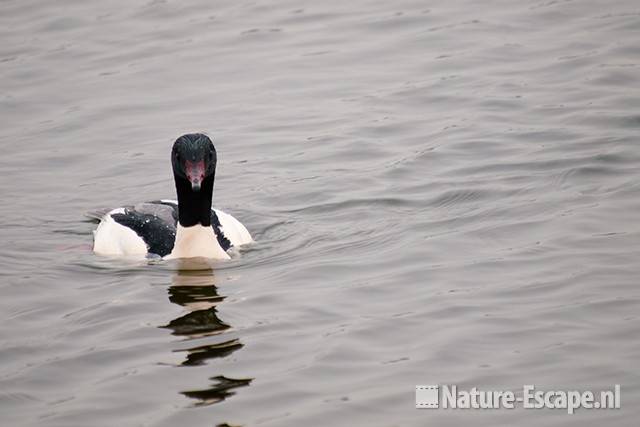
x=191, y=295
x=219, y=391
x=198, y=324
x=196, y=291
x=197, y=355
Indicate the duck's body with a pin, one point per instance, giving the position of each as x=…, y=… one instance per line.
x=186, y=228
x=152, y=228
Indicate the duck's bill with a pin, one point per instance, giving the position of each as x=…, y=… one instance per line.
x=195, y=173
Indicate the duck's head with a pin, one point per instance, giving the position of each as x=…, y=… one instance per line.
x=194, y=158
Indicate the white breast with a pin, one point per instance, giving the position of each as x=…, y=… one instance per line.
x=196, y=241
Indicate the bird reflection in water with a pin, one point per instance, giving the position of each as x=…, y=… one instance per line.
x=196, y=291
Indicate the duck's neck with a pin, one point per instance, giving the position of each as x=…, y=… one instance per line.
x=194, y=207
x=195, y=237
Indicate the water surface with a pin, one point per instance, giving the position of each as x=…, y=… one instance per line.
x=441, y=193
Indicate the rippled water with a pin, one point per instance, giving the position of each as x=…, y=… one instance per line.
x=442, y=193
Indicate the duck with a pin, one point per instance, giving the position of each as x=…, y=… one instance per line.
x=176, y=229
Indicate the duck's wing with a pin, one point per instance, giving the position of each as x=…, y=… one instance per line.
x=153, y=222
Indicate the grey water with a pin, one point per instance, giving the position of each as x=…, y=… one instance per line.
x=441, y=192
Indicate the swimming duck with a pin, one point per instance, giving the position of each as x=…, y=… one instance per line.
x=186, y=228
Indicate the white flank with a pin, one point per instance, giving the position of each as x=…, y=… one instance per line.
x=112, y=238
x=233, y=229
